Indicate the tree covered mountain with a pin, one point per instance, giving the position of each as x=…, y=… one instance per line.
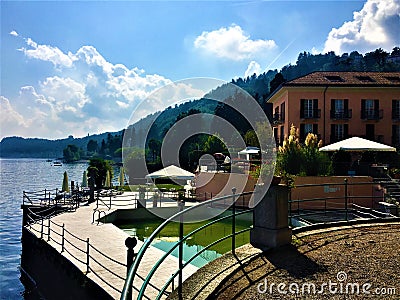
x=154, y=126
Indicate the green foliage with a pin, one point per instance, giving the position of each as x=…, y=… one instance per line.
x=214, y=144
x=294, y=158
x=72, y=153
x=97, y=171
x=250, y=138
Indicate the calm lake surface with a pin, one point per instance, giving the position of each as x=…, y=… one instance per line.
x=18, y=175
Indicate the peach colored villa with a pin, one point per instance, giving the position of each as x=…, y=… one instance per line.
x=338, y=105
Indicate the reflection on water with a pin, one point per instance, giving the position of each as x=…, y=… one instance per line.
x=170, y=235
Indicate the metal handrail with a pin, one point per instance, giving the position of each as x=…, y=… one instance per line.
x=135, y=266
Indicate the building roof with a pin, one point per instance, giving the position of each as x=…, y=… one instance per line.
x=362, y=79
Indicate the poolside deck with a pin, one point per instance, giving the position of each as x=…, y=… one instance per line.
x=106, y=240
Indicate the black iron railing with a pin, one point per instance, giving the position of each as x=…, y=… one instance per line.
x=344, y=114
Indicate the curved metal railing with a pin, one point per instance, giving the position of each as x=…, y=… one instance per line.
x=180, y=217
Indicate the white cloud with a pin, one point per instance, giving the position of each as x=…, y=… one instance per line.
x=253, y=67
x=14, y=33
x=85, y=94
x=376, y=25
x=48, y=53
x=232, y=43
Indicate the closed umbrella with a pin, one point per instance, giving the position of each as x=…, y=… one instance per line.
x=107, y=184
x=65, y=186
x=84, y=179
x=121, y=177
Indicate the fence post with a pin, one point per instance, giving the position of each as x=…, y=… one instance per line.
x=290, y=206
x=345, y=198
x=270, y=220
x=62, y=237
x=180, y=259
x=87, y=255
x=110, y=200
x=233, y=220
x=41, y=229
x=130, y=243
x=48, y=231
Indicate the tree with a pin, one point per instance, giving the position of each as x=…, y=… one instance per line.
x=92, y=146
x=251, y=139
x=97, y=171
x=72, y=153
x=276, y=82
x=314, y=162
x=214, y=144
x=155, y=148
x=289, y=154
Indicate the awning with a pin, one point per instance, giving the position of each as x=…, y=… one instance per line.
x=357, y=144
x=172, y=172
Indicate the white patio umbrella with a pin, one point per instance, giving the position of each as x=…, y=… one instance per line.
x=357, y=144
x=172, y=172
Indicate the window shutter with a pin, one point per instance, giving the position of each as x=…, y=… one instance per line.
x=363, y=109
x=332, y=133
x=315, y=128
x=376, y=105
x=302, y=101
x=333, y=107
x=346, y=104
x=346, y=130
x=315, y=104
x=302, y=131
x=394, y=109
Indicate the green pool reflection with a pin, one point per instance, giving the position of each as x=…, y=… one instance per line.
x=170, y=235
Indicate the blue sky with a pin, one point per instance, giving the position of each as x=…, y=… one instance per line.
x=82, y=67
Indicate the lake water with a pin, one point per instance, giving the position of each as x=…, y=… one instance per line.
x=18, y=175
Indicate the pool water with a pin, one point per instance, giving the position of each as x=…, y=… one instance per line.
x=169, y=236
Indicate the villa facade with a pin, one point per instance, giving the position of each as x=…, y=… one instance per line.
x=338, y=105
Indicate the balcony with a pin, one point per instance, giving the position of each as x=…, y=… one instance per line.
x=376, y=114
x=341, y=114
x=310, y=114
x=278, y=118
x=396, y=116
x=395, y=140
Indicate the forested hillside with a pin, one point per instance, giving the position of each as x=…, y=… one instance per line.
x=259, y=86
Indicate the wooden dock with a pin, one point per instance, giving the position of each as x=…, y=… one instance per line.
x=102, y=247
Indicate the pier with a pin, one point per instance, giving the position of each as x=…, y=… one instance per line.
x=98, y=249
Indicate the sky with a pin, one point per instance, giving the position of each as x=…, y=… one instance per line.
x=83, y=67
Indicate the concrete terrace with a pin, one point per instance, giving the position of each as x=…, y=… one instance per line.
x=107, y=248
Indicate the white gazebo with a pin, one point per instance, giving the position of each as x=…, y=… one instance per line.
x=356, y=144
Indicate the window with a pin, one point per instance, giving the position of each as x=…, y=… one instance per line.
x=396, y=135
x=339, y=132
x=334, y=78
x=370, y=131
x=282, y=135
x=394, y=79
x=370, y=109
x=365, y=79
x=309, y=109
x=305, y=129
x=283, y=111
x=396, y=109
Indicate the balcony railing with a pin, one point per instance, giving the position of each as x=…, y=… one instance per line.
x=396, y=115
x=341, y=114
x=278, y=118
x=372, y=114
x=310, y=114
